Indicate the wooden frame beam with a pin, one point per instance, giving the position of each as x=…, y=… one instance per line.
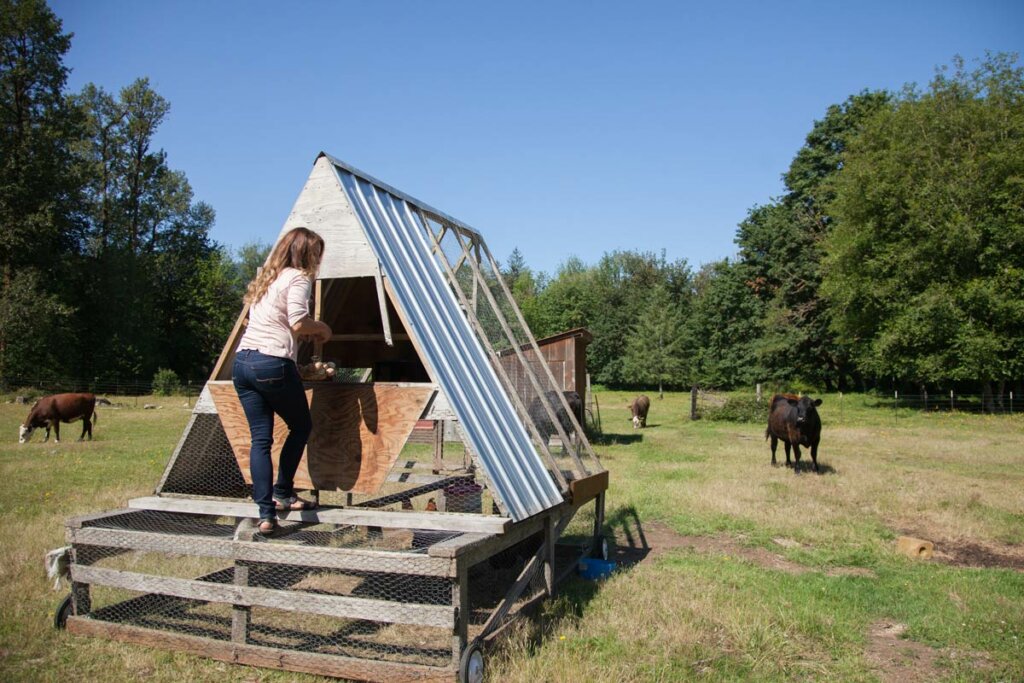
x=393, y=519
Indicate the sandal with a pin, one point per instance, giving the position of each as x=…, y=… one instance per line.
x=267, y=526
x=294, y=503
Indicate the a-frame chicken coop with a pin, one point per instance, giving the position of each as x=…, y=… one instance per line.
x=419, y=554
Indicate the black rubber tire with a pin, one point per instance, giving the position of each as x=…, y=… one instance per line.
x=60, y=617
x=472, y=666
x=602, y=549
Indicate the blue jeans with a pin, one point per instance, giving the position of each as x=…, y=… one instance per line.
x=268, y=385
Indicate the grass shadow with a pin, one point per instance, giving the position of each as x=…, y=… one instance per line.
x=806, y=466
x=615, y=439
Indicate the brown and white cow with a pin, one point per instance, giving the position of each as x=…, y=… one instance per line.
x=794, y=420
x=638, y=408
x=50, y=411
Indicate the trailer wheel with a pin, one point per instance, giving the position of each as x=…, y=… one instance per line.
x=471, y=666
x=60, y=617
x=602, y=551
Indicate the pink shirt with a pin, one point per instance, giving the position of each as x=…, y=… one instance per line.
x=285, y=303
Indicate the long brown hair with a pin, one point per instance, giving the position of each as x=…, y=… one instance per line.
x=300, y=248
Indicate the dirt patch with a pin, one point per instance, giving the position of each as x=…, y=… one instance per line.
x=966, y=552
x=897, y=660
x=657, y=539
x=975, y=554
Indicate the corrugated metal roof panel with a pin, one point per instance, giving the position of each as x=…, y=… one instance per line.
x=457, y=359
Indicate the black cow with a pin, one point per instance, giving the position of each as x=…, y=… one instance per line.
x=50, y=411
x=794, y=420
x=543, y=422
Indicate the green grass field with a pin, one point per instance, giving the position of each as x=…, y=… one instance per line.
x=753, y=573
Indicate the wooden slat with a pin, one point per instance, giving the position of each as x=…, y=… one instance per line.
x=385, y=319
x=354, y=559
x=366, y=336
x=260, y=656
x=340, y=606
x=586, y=489
x=392, y=519
x=81, y=520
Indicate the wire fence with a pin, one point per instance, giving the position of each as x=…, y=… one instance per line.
x=31, y=388
x=991, y=404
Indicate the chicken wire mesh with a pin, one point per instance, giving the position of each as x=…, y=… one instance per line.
x=555, y=424
x=185, y=580
x=409, y=613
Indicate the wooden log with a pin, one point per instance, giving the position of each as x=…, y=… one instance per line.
x=256, y=655
x=392, y=519
x=915, y=548
x=340, y=606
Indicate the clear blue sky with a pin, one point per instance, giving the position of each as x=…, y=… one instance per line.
x=563, y=128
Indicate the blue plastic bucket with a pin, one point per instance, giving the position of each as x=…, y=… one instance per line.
x=594, y=569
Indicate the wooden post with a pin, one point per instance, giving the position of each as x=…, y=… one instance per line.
x=81, y=601
x=438, y=446
x=440, y=501
x=598, y=515
x=952, y=402
x=693, y=403
x=549, y=555
x=240, y=613
x=758, y=392
x=318, y=296
x=460, y=601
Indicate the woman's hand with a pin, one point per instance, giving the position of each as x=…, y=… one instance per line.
x=315, y=329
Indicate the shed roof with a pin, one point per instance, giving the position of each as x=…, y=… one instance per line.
x=396, y=230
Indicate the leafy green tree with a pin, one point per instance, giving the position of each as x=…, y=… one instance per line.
x=249, y=258
x=655, y=347
x=38, y=184
x=780, y=249
x=925, y=267
x=724, y=327
x=607, y=299
x=148, y=244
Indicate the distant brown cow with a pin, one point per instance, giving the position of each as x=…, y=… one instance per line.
x=50, y=411
x=639, y=407
x=794, y=420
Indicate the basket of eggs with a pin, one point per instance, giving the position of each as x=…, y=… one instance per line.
x=317, y=370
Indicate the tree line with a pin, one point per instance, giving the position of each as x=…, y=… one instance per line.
x=107, y=268
x=894, y=258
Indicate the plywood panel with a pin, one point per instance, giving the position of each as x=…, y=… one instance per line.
x=324, y=208
x=358, y=432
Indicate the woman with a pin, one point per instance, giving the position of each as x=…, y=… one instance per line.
x=265, y=375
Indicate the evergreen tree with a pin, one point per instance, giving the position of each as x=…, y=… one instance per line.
x=655, y=346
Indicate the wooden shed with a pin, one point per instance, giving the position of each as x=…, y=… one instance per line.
x=566, y=355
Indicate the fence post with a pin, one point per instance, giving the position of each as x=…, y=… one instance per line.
x=188, y=393
x=693, y=403
x=1011, y=403
x=896, y=405
x=840, y=406
x=952, y=403
x=925, y=392
x=758, y=392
